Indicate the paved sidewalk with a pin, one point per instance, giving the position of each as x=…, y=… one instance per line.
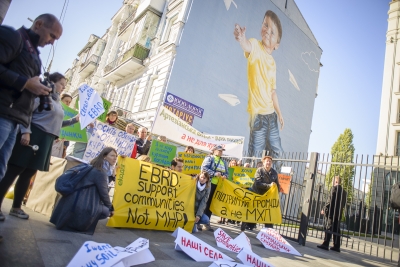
x=36, y=242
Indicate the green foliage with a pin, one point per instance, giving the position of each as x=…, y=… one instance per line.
x=342, y=151
x=368, y=197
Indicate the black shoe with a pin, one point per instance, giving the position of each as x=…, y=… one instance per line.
x=199, y=227
x=208, y=228
x=323, y=247
x=335, y=249
x=243, y=227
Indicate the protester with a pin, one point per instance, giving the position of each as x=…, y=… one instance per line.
x=42, y=131
x=189, y=149
x=112, y=118
x=240, y=163
x=216, y=168
x=144, y=158
x=264, y=179
x=232, y=163
x=143, y=143
x=91, y=203
x=202, y=195
x=177, y=164
x=162, y=139
x=66, y=99
x=247, y=165
x=130, y=129
x=20, y=67
x=332, y=212
x=259, y=164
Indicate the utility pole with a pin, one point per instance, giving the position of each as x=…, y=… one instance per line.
x=4, y=5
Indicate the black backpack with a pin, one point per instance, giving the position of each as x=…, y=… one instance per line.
x=66, y=183
x=395, y=196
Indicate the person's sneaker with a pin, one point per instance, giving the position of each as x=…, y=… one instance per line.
x=243, y=226
x=323, y=247
x=199, y=227
x=335, y=249
x=2, y=217
x=208, y=227
x=19, y=213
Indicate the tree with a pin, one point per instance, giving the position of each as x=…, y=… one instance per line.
x=4, y=5
x=342, y=151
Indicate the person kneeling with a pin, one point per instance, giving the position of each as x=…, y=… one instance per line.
x=202, y=193
x=81, y=210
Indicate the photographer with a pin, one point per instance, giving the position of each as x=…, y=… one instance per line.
x=42, y=131
x=20, y=67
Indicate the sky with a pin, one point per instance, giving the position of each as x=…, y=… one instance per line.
x=350, y=33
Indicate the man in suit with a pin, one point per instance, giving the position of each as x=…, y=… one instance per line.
x=333, y=212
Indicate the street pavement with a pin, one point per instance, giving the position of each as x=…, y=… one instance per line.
x=36, y=242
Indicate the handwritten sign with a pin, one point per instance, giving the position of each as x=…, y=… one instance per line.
x=252, y=259
x=90, y=105
x=182, y=133
x=284, y=183
x=222, y=263
x=136, y=253
x=236, y=203
x=241, y=176
x=235, y=245
x=73, y=132
x=161, y=153
x=95, y=254
x=191, y=162
x=104, y=135
x=150, y=197
x=106, y=104
x=196, y=248
x=271, y=239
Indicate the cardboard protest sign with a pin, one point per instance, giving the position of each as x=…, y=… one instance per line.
x=136, y=253
x=106, y=104
x=161, y=153
x=182, y=133
x=191, y=162
x=90, y=105
x=271, y=239
x=222, y=263
x=236, y=203
x=95, y=254
x=104, y=135
x=196, y=248
x=151, y=197
x=73, y=132
x=241, y=176
x=284, y=183
x=235, y=245
x=251, y=259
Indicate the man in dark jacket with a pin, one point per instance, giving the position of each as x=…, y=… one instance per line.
x=143, y=143
x=20, y=67
x=333, y=212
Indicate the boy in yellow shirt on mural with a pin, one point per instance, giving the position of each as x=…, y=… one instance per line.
x=263, y=105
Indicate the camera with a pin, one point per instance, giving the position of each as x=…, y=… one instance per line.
x=45, y=100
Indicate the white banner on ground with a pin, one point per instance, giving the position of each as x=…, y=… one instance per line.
x=235, y=245
x=101, y=254
x=90, y=105
x=196, y=248
x=177, y=130
x=271, y=239
x=222, y=263
x=251, y=259
x=104, y=135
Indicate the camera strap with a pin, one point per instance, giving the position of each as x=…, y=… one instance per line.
x=27, y=41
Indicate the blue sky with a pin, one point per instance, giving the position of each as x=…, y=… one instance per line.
x=350, y=33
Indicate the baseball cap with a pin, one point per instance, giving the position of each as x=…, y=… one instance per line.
x=217, y=147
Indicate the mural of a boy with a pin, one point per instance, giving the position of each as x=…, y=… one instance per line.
x=263, y=105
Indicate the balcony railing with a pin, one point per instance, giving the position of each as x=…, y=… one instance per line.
x=135, y=52
x=125, y=24
x=92, y=59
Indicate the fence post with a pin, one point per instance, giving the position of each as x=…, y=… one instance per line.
x=307, y=200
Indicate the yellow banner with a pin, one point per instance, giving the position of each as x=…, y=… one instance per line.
x=192, y=162
x=150, y=197
x=241, y=176
x=236, y=203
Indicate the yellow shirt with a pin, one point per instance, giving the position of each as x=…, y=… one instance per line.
x=261, y=75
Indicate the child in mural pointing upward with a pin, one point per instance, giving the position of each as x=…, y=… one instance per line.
x=263, y=105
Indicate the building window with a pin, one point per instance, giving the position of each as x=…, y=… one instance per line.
x=145, y=29
x=397, y=147
x=398, y=111
x=167, y=34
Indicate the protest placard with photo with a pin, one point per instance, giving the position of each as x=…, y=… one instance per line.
x=233, y=202
x=161, y=153
x=150, y=197
x=104, y=135
x=191, y=162
x=241, y=176
x=74, y=131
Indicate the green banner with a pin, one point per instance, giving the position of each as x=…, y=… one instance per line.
x=162, y=153
x=107, y=104
x=241, y=176
x=73, y=132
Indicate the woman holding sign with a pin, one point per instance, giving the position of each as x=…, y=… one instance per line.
x=216, y=168
x=202, y=195
x=33, y=151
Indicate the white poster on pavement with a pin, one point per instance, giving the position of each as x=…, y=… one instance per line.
x=177, y=130
x=196, y=248
x=222, y=263
x=251, y=259
x=90, y=105
x=235, y=245
x=271, y=239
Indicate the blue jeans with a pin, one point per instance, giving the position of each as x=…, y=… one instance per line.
x=203, y=220
x=264, y=135
x=8, y=130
